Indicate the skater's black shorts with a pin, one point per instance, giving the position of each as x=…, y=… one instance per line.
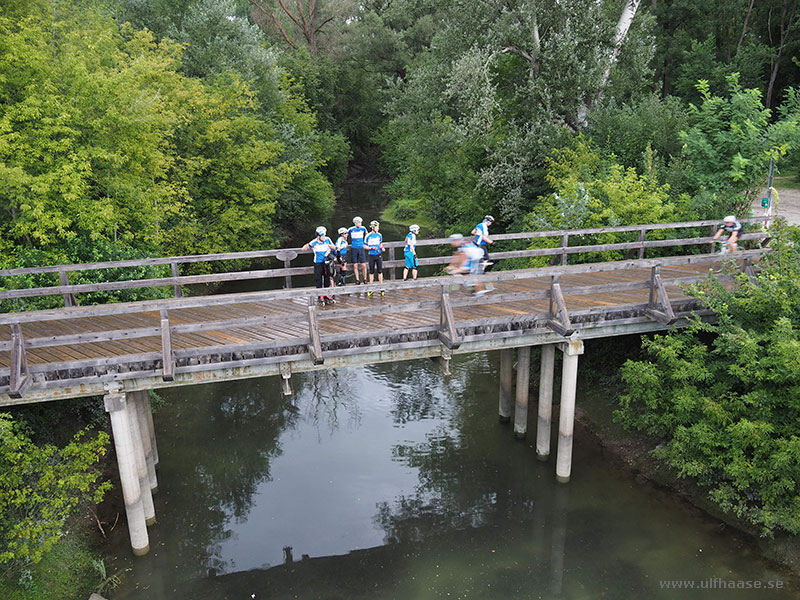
x=321, y=274
x=375, y=263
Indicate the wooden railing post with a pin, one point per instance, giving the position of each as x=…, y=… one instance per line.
x=392, y=254
x=287, y=256
x=564, y=244
x=659, y=299
x=167, y=356
x=69, y=299
x=315, y=347
x=640, y=239
x=448, y=334
x=20, y=380
x=559, y=320
x=177, y=287
x=711, y=233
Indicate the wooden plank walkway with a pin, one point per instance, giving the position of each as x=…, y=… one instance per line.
x=119, y=342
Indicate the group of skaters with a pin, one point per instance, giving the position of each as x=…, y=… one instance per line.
x=365, y=247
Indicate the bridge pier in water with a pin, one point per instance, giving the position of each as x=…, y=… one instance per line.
x=566, y=419
x=506, y=384
x=545, y=411
x=134, y=438
x=571, y=350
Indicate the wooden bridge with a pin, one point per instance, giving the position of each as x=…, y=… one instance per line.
x=122, y=350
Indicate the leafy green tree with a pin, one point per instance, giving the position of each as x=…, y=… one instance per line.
x=108, y=141
x=723, y=399
x=40, y=487
x=500, y=88
x=729, y=146
x=592, y=191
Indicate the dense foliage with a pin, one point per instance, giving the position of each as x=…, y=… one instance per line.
x=40, y=486
x=724, y=398
x=110, y=141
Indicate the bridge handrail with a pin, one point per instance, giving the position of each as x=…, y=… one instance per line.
x=302, y=295
x=558, y=319
x=176, y=281
x=193, y=258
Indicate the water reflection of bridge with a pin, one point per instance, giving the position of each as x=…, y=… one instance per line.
x=123, y=350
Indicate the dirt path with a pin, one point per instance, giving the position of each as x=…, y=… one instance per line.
x=788, y=205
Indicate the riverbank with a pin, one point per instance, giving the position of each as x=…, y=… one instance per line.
x=633, y=451
x=70, y=570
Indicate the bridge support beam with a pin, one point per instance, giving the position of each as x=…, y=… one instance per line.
x=566, y=420
x=523, y=381
x=142, y=402
x=506, y=383
x=116, y=407
x=141, y=463
x=544, y=423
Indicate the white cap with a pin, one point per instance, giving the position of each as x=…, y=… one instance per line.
x=357, y=219
x=321, y=230
x=342, y=230
x=729, y=219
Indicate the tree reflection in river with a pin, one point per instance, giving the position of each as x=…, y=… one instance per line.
x=448, y=495
x=204, y=490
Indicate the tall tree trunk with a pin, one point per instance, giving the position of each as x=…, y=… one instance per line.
x=744, y=27
x=623, y=26
x=788, y=19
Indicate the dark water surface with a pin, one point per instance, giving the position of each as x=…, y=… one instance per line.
x=393, y=481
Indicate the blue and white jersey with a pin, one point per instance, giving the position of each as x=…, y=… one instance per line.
x=483, y=231
x=474, y=254
x=374, y=241
x=737, y=227
x=321, y=248
x=357, y=235
x=341, y=246
x=411, y=242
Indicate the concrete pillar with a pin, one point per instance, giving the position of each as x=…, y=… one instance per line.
x=523, y=380
x=116, y=407
x=151, y=429
x=506, y=383
x=141, y=464
x=142, y=408
x=566, y=420
x=545, y=401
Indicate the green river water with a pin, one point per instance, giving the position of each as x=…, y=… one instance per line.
x=394, y=481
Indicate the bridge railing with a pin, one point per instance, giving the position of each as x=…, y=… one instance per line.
x=287, y=255
x=282, y=308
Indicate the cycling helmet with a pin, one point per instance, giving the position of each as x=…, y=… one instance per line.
x=373, y=223
x=730, y=219
x=357, y=220
x=456, y=237
x=321, y=230
x=342, y=230
x=414, y=228
x=489, y=218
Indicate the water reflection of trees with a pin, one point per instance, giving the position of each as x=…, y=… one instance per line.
x=329, y=399
x=216, y=444
x=463, y=474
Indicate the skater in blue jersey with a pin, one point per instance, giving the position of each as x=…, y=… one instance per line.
x=358, y=255
x=321, y=246
x=374, y=243
x=410, y=253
